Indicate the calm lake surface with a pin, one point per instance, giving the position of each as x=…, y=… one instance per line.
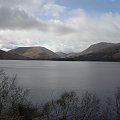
x=48, y=79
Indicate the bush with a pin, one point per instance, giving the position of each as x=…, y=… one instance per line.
x=14, y=101
x=70, y=107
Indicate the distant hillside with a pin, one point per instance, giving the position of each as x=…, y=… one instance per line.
x=97, y=47
x=66, y=55
x=91, y=49
x=111, y=53
x=8, y=56
x=34, y=52
x=61, y=54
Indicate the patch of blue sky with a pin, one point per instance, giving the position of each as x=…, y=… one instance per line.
x=100, y=6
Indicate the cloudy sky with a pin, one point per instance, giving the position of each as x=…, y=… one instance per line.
x=59, y=25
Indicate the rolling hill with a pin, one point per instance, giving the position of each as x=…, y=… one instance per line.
x=9, y=56
x=109, y=53
x=34, y=53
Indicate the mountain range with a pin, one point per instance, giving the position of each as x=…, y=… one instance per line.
x=97, y=52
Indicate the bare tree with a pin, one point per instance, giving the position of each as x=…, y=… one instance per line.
x=14, y=103
x=89, y=107
x=70, y=107
x=112, y=110
x=5, y=89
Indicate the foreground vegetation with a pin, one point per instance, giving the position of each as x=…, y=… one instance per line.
x=15, y=104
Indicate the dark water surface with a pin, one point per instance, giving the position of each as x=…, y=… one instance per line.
x=48, y=79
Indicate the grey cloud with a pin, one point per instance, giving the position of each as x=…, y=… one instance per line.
x=63, y=29
x=10, y=2
x=18, y=3
x=18, y=19
x=32, y=6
